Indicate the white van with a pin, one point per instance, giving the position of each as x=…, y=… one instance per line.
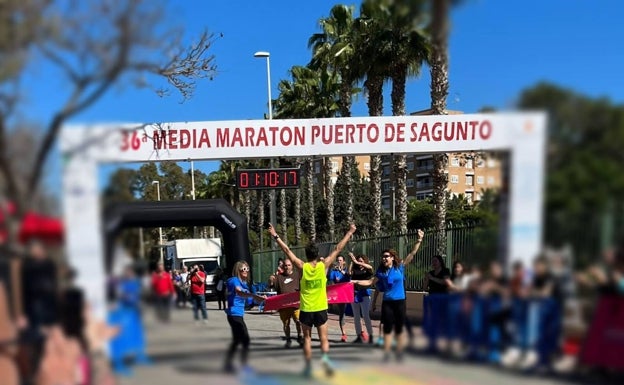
x=200, y=251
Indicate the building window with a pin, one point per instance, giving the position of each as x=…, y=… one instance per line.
x=334, y=166
x=422, y=196
x=385, y=187
x=385, y=202
x=490, y=180
x=367, y=166
x=409, y=183
x=480, y=180
x=491, y=163
x=469, y=163
x=454, y=178
x=410, y=166
x=469, y=181
x=317, y=168
x=455, y=161
x=469, y=197
x=386, y=170
x=480, y=163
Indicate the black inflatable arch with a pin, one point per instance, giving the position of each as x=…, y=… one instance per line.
x=209, y=212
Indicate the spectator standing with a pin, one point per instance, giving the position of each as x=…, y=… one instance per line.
x=221, y=288
x=360, y=269
x=438, y=280
x=340, y=274
x=163, y=289
x=184, y=286
x=198, y=292
x=459, y=277
x=41, y=300
x=288, y=282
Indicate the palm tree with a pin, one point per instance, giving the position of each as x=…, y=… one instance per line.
x=369, y=29
x=439, y=91
x=333, y=49
x=312, y=93
x=297, y=213
x=406, y=48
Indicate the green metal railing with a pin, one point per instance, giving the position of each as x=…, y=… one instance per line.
x=472, y=245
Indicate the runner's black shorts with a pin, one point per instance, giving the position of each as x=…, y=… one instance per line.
x=314, y=318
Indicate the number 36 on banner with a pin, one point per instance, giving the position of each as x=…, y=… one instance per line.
x=131, y=140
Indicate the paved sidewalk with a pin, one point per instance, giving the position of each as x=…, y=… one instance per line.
x=186, y=353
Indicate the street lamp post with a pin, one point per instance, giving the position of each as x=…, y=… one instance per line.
x=267, y=55
x=160, y=234
x=192, y=180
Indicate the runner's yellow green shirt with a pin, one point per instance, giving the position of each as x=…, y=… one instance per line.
x=313, y=290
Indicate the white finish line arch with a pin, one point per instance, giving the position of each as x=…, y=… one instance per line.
x=85, y=147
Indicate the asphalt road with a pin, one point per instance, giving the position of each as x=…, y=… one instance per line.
x=186, y=353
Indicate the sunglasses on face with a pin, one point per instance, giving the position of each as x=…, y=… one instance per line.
x=386, y=256
x=244, y=269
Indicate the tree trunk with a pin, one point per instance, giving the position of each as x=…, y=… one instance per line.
x=310, y=198
x=260, y=199
x=374, y=86
x=297, y=217
x=329, y=197
x=283, y=215
x=348, y=162
x=439, y=92
x=400, y=161
x=247, y=196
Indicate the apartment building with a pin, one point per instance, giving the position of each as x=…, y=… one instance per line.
x=363, y=165
x=467, y=173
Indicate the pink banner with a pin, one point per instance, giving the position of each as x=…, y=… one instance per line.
x=338, y=293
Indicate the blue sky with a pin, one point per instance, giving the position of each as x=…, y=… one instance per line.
x=497, y=49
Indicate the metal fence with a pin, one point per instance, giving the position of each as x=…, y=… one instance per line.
x=472, y=245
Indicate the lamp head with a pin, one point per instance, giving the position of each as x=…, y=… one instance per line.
x=262, y=54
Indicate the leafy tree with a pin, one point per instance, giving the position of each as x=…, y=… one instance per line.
x=584, y=181
x=90, y=47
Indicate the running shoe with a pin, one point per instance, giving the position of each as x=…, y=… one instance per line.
x=343, y=338
x=328, y=365
x=288, y=343
x=307, y=371
x=358, y=340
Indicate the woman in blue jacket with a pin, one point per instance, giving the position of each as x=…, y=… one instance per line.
x=389, y=280
x=238, y=292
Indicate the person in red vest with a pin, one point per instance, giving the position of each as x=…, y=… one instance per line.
x=162, y=286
